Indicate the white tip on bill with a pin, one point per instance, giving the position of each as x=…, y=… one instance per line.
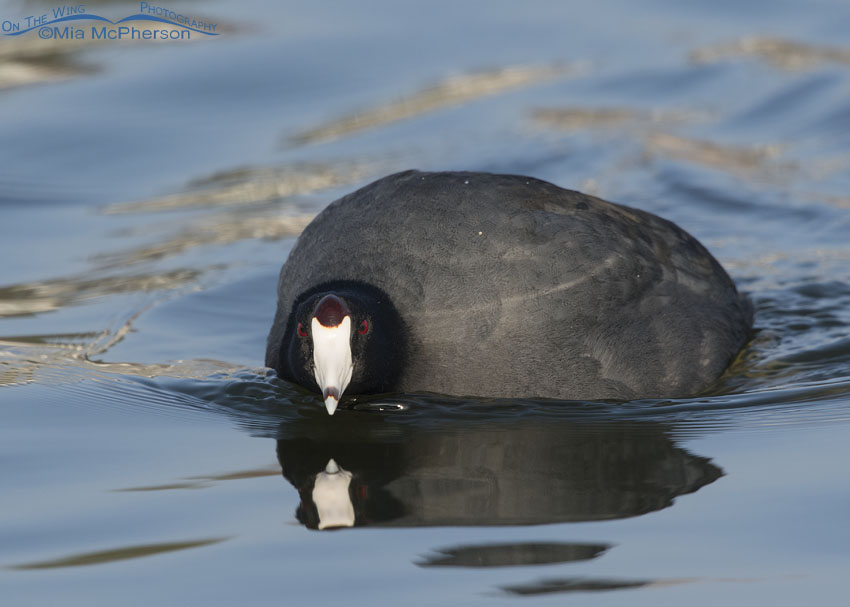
x=330, y=404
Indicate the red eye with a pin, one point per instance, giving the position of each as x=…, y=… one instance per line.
x=364, y=328
x=301, y=331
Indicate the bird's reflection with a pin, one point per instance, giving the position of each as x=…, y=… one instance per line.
x=360, y=470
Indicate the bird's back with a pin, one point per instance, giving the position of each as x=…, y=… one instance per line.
x=511, y=286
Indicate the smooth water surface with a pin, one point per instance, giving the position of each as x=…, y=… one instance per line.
x=149, y=193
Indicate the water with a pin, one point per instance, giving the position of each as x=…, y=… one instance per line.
x=150, y=192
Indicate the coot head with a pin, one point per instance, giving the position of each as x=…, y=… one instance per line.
x=343, y=337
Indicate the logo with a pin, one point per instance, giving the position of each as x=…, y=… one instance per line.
x=72, y=22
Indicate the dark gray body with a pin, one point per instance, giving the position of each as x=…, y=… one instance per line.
x=511, y=286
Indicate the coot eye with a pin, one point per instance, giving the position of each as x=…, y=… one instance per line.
x=364, y=328
x=301, y=331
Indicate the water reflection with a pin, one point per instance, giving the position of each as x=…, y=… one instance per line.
x=574, y=585
x=522, y=471
x=448, y=92
x=511, y=555
x=783, y=53
x=117, y=554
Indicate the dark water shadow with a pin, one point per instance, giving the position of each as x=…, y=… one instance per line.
x=521, y=469
x=513, y=555
x=429, y=460
x=486, y=466
x=561, y=585
x=425, y=460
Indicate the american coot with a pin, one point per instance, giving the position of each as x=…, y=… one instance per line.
x=500, y=286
